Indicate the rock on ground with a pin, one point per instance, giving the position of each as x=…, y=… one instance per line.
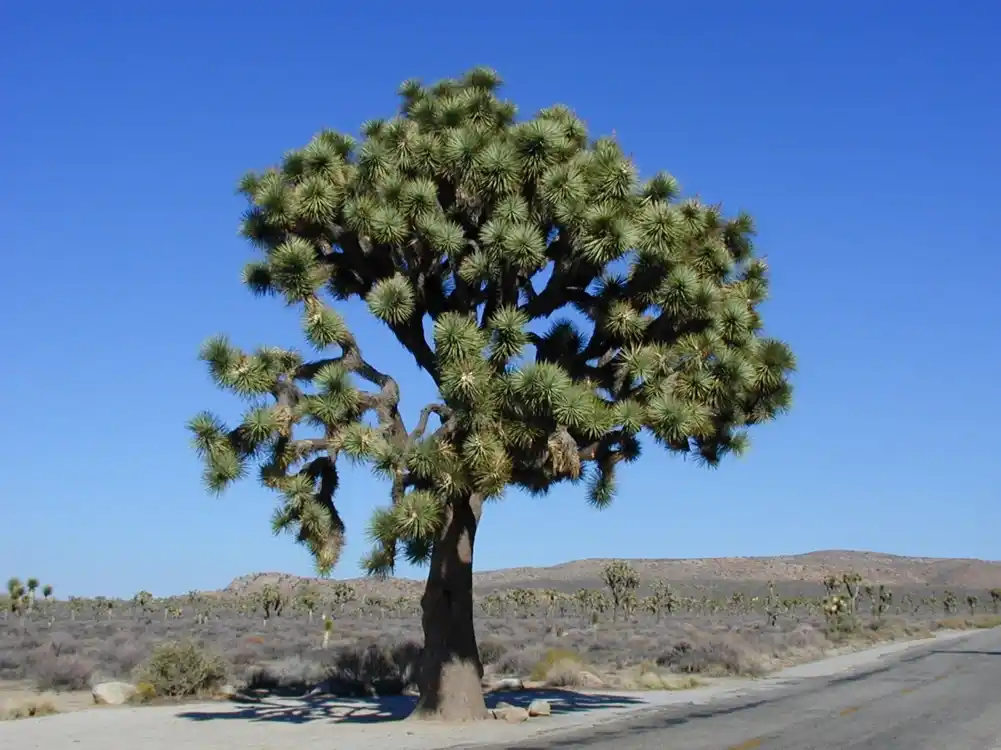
x=113, y=693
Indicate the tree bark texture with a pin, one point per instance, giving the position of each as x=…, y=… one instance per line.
x=451, y=671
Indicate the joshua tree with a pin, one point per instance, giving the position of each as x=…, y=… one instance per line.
x=143, y=601
x=341, y=594
x=835, y=610
x=199, y=606
x=453, y=218
x=996, y=600
x=972, y=600
x=18, y=596
x=621, y=579
x=551, y=599
x=663, y=599
x=592, y=603
x=853, y=586
x=880, y=599
x=773, y=605
x=32, y=585
x=306, y=598
x=328, y=628
x=271, y=601
x=831, y=584
x=47, y=592
x=523, y=600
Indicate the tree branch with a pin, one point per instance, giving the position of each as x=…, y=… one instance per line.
x=411, y=336
x=557, y=292
x=385, y=402
x=593, y=451
x=443, y=412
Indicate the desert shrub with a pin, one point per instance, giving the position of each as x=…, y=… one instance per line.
x=365, y=668
x=54, y=671
x=564, y=673
x=491, y=650
x=179, y=669
x=145, y=692
x=802, y=638
x=121, y=655
x=518, y=661
x=296, y=674
x=372, y=664
x=63, y=644
x=715, y=655
x=12, y=666
x=565, y=658
x=842, y=624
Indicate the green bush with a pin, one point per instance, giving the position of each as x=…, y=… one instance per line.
x=181, y=669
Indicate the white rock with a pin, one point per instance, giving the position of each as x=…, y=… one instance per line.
x=540, y=707
x=511, y=714
x=112, y=693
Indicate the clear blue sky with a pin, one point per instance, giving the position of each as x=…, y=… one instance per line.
x=863, y=138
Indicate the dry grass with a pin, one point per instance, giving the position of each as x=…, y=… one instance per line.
x=28, y=709
x=964, y=623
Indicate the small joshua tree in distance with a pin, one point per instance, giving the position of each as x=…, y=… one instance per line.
x=32, y=585
x=17, y=594
x=621, y=580
x=328, y=629
x=972, y=600
x=455, y=219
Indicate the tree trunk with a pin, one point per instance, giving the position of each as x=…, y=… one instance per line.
x=450, y=671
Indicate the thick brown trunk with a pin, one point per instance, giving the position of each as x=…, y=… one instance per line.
x=451, y=671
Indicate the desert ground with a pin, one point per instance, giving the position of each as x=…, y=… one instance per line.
x=678, y=625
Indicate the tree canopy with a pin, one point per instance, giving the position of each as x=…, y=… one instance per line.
x=573, y=307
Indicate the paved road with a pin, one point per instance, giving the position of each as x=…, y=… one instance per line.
x=945, y=696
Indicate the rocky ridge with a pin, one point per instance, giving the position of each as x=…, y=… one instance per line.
x=809, y=568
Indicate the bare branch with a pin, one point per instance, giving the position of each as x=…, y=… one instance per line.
x=557, y=293
x=443, y=412
x=311, y=445
x=411, y=336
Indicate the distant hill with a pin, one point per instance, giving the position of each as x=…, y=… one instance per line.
x=809, y=568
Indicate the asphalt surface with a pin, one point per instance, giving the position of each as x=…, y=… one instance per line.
x=944, y=696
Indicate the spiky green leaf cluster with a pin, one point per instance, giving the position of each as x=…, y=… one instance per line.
x=455, y=211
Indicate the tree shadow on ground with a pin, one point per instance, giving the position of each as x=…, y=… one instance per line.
x=393, y=707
